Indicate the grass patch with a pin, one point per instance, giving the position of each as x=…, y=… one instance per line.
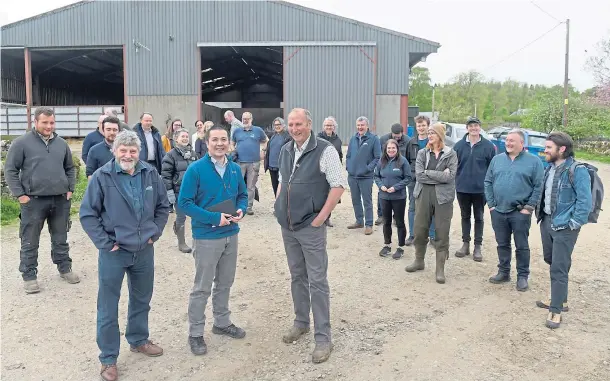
x=9, y=210
x=585, y=156
x=79, y=192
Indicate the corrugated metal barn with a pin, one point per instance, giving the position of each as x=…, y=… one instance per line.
x=194, y=60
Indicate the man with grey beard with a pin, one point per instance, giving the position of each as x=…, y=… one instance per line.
x=124, y=211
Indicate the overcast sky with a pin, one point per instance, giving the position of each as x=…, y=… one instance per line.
x=475, y=35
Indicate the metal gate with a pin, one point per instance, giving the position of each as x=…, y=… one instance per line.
x=337, y=81
x=70, y=121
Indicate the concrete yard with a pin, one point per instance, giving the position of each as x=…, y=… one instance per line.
x=387, y=324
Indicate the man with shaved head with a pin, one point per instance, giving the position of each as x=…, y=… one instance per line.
x=311, y=184
x=233, y=121
x=93, y=138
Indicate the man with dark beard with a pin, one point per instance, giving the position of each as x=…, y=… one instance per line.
x=124, y=211
x=563, y=210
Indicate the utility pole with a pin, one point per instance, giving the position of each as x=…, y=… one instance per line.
x=565, y=76
x=475, y=110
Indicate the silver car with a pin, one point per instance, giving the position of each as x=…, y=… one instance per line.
x=456, y=131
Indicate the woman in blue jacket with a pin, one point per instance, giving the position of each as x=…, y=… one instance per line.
x=392, y=175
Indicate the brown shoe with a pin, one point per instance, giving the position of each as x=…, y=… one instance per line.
x=109, y=372
x=149, y=349
x=368, y=230
x=355, y=225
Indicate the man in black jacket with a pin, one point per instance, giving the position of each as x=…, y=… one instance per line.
x=39, y=171
x=474, y=156
x=152, y=150
x=101, y=153
x=329, y=133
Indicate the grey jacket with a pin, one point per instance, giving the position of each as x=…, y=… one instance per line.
x=34, y=168
x=444, y=182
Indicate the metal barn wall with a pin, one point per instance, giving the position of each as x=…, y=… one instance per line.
x=170, y=31
x=331, y=81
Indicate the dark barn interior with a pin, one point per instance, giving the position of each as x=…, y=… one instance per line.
x=75, y=77
x=249, y=75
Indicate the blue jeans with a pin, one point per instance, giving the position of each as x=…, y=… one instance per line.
x=362, y=193
x=518, y=225
x=112, y=267
x=411, y=215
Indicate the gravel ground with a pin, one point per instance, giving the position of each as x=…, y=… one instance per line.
x=387, y=324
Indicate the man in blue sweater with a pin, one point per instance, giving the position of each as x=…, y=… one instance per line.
x=513, y=187
x=363, y=153
x=208, y=182
x=474, y=156
x=101, y=153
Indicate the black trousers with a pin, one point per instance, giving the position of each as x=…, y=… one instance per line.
x=55, y=210
x=472, y=202
x=396, y=207
x=275, y=179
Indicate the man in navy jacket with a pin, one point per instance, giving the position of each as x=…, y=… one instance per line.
x=474, y=155
x=363, y=153
x=152, y=150
x=124, y=212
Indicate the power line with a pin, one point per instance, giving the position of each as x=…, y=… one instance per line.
x=523, y=47
x=547, y=13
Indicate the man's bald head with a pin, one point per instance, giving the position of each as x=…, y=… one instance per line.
x=299, y=125
x=100, y=122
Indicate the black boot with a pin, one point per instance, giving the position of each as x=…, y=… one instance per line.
x=463, y=251
x=476, y=254
x=182, y=246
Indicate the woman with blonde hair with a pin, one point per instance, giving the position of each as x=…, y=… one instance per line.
x=201, y=147
x=435, y=169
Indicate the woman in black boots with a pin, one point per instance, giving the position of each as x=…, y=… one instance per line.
x=173, y=167
x=392, y=175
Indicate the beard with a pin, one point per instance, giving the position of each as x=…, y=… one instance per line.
x=127, y=165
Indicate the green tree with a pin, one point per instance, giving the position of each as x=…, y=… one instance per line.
x=420, y=88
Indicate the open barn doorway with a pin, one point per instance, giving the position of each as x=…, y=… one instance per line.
x=242, y=78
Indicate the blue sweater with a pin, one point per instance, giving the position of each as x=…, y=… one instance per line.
x=473, y=162
x=363, y=155
x=392, y=175
x=91, y=139
x=98, y=155
x=510, y=185
x=203, y=187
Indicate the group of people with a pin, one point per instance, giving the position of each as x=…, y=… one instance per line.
x=136, y=177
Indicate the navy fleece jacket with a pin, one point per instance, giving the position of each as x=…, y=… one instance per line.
x=203, y=187
x=363, y=155
x=473, y=162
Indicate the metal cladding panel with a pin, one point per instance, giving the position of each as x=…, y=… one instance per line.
x=166, y=62
x=330, y=81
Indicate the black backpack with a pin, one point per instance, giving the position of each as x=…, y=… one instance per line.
x=597, y=188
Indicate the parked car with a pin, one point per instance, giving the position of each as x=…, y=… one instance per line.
x=455, y=132
x=497, y=131
x=534, y=143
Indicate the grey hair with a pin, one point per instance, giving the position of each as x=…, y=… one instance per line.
x=278, y=119
x=179, y=131
x=363, y=119
x=519, y=132
x=332, y=119
x=126, y=138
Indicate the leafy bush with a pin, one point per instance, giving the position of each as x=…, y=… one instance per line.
x=77, y=163
x=9, y=210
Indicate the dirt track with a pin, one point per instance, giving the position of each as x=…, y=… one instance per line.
x=387, y=324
